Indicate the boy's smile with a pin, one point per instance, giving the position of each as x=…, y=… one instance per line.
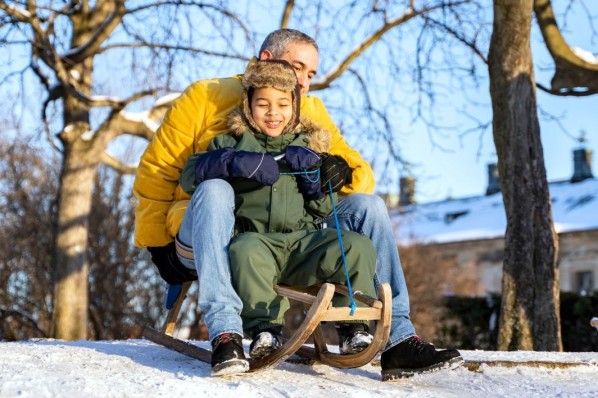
x=272, y=110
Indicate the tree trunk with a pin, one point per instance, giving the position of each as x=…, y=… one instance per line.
x=72, y=266
x=530, y=304
x=80, y=161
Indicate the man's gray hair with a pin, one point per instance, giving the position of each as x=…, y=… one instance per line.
x=278, y=41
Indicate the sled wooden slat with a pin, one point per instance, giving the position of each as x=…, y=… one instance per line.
x=321, y=353
x=295, y=294
x=343, y=314
x=372, y=302
x=310, y=323
x=177, y=344
x=378, y=342
x=171, y=318
x=318, y=303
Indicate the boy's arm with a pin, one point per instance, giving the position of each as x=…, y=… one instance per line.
x=188, y=180
x=363, y=175
x=320, y=208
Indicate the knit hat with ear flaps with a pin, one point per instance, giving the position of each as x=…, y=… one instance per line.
x=271, y=73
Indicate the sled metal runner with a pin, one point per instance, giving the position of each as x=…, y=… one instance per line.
x=317, y=300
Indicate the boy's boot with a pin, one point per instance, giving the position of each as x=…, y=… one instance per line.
x=353, y=337
x=227, y=355
x=265, y=341
x=414, y=356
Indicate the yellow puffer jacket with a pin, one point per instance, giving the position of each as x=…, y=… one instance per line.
x=196, y=117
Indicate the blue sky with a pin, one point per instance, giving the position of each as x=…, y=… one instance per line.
x=455, y=165
x=446, y=163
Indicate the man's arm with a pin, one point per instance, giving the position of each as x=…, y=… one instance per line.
x=161, y=164
x=363, y=176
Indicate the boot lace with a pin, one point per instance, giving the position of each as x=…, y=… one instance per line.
x=418, y=344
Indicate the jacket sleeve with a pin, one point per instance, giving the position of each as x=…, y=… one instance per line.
x=320, y=208
x=161, y=164
x=363, y=175
x=187, y=179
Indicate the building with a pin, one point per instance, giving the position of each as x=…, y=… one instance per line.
x=470, y=231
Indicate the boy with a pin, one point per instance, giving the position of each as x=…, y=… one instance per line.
x=276, y=205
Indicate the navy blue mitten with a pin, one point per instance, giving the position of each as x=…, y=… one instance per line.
x=213, y=164
x=255, y=165
x=306, y=162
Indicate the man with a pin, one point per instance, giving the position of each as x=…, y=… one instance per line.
x=194, y=119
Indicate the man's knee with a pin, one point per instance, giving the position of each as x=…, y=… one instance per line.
x=365, y=202
x=214, y=192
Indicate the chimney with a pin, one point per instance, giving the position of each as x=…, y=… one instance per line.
x=582, y=164
x=407, y=194
x=493, y=179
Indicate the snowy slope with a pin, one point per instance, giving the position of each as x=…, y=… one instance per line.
x=139, y=368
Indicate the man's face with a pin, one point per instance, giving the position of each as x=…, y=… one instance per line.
x=304, y=59
x=271, y=109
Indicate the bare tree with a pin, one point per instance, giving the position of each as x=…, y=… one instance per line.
x=27, y=219
x=124, y=291
x=530, y=301
x=66, y=41
x=74, y=49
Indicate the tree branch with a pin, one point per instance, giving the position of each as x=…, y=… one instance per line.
x=461, y=38
x=336, y=72
x=572, y=72
x=171, y=47
x=286, y=14
x=102, y=32
x=116, y=164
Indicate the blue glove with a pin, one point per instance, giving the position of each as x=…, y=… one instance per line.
x=257, y=166
x=213, y=164
x=303, y=160
x=300, y=158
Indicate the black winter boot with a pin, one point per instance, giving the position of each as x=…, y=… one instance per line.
x=414, y=356
x=227, y=355
x=265, y=342
x=353, y=337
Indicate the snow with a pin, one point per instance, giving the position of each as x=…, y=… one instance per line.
x=139, y=368
x=585, y=55
x=166, y=99
x=141, y=117
x=574, y=208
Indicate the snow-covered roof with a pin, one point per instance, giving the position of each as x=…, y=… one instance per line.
x=574, y=208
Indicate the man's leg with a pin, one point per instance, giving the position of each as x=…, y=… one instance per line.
x=405, y=354
x=207, y=228
x=367, y=215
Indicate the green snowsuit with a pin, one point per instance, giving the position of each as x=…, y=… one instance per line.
x=277, y=241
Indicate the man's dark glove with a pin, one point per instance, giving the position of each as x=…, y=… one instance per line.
x=213, y=164
x=257, y=166
x=336, y=170
x=302, y=159
x=170, y=267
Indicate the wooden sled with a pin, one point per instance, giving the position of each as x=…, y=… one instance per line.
x=318, y=302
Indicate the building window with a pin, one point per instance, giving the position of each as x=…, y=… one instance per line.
x=585, y=282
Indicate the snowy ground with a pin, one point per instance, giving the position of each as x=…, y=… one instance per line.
x=139, y=368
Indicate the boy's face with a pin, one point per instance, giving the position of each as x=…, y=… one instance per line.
x=304, y=58
x=272, y=110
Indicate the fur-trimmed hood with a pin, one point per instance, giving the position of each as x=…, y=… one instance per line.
x=318, y=138
x=271, y=73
